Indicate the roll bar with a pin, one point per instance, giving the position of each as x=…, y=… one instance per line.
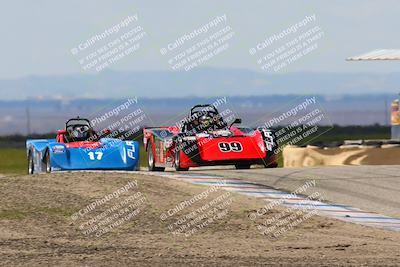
x=203, y=106
x=78, y=119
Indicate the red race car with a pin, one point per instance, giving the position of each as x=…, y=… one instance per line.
x=205, y=139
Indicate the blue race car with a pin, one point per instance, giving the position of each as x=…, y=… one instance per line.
x=79, y=147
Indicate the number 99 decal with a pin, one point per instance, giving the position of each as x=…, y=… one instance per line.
x=232, y=146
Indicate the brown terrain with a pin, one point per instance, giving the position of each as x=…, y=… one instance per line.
x=36, y=228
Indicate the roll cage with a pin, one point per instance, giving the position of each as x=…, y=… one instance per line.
x=192, y=124
x=78, y=129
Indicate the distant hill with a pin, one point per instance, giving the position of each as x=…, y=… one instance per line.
x=50, y=114
x=199, y=82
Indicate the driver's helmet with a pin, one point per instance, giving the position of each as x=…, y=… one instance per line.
x=80, y=132
x=205, y=122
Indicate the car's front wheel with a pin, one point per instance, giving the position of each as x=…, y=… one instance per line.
x=151, y=162
x=242, y=166
x=47, y=162
x=178, y=162
x=31, y=166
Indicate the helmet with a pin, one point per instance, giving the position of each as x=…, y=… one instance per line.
x=205, y=122
x=80, y=132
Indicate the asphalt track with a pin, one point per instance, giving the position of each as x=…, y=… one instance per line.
x=370, y=188
x=366, y=195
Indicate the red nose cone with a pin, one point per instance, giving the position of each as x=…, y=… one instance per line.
x=83, y=144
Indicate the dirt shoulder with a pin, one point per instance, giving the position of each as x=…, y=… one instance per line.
x=36, y=227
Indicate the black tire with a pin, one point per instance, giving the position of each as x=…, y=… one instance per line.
x=177, y=162
x=270, y=164
x=270, y=160
x=31, y=165
x=137, y=166
x=242, y=166
x=151, y=163
x=47, y=163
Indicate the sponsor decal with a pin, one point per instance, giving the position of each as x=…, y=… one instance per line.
x=58, y=149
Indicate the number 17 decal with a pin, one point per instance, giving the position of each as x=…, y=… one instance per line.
x=95, y=155
x=232, y=146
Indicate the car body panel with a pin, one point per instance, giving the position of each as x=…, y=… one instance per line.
x=79, y=147
x=205, y=150
x=111, y=154
x=204, y=138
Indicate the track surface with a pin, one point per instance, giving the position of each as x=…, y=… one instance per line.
x=37, y=229
x=371, y=188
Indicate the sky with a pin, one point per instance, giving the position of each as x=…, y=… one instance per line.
x=37, y=36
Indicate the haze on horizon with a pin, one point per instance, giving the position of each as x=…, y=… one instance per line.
x=37, y=38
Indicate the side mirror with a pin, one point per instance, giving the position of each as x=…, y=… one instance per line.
x=236, y=121
x=62, y=132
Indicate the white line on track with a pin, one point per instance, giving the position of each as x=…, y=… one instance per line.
x=336, y=211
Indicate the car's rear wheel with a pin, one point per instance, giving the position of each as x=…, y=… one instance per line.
x=151, y=162
x=270, y=164
x=270, y=160
x=47, y=162
x=242, y=166
x=178, y=162
x=31, y=166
